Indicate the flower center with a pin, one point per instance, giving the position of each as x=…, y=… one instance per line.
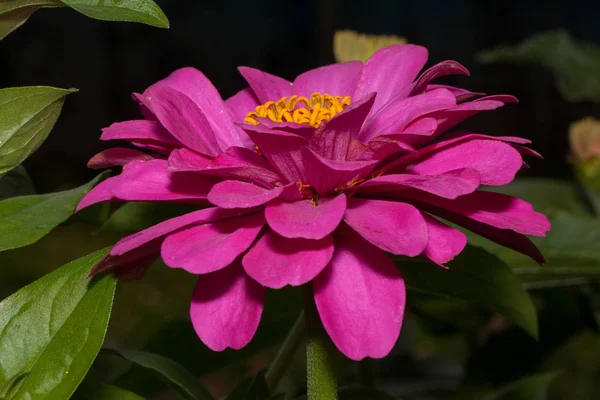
x=299, y=109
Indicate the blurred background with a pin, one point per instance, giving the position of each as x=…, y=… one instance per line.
x=447, y=349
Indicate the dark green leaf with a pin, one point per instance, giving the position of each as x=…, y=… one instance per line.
x=360, y=393
x=104, y=392
x=16, y=183
x=14, y=13
x=174, y=374
x=27, y=115
x=143, y=11
x=253, y=388
x=477, y=277
x=135, y=216
x=530, y=388
x=24, y=220
x=574, y=63
x=52, y=330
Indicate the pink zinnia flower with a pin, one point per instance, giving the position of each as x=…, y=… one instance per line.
x=314, y=181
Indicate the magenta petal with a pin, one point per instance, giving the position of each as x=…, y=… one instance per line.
x=141, y=129
x=360, y=297
x=282, y=149
x=444, y=242
x=422, y=126
x=442, y=69
x=226, y=308
x=450, y=185
x=496, y=162
x=187, y=160
x=333, y=138
x=116, y=156
x=396, y=227
x=182, y=117
x=236, y=194
x=266, y=87
x=100, y=193
x=151, y=181
x=327, y=175
x=275, y=261
x=242, y=103
x=155, y=232
x=210, y=247
x=303, y=219
x=336, y=79
x=390, y=71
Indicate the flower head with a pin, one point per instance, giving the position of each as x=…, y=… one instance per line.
x=314, y=180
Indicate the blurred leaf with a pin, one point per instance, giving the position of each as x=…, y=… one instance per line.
x=279, y=396
x=16, y=183
x=143, y=11
x=174, y=374
x=477, y=277
x=350, y=45
x=135, y=216
x=52, y=330
x=360, y=393
x=253, y=388
x=104, y=392
x=530, y=388
x=24, y=220
x=14, y=13
x=574, y=63
x=27, y=115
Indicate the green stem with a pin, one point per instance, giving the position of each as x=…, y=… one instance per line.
x=285, y=354
x=320, y=354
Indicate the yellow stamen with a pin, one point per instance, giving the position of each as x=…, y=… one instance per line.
x=313, y=111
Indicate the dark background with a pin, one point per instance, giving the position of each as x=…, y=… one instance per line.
x=108, y=61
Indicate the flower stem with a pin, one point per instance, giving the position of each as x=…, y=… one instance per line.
x=320, y=354
x=285, y=354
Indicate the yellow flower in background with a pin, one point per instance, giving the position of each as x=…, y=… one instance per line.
x=350, y=45
x=584, y=138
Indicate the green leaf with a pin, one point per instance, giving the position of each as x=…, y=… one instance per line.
x=253, y=388
x=27, y=115
x=360, y=393
x=574, y=63
x=52, y=330
x=477, y=277
x=14, y=13
x=104, y=392
x=530, y=388
x=143, y=11
x=174, y=374
x=24, y=220
x=16, y=183
x=135, y=216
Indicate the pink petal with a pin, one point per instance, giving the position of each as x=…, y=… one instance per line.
x=303, y=219
x=151, y=181
x=158, y=231
x=390, y=71
x=444, y=242
x=422, y=126
x=197, y=87
x=378, y=148
x=116, y=156
x=129, y=266
x=282, y=149
x=450, y=185
x=360, y=298
x=210, y=247
x=397, y=114
x=242, y=103
x=266, y=87
x=236, y=194
x=333, y=138
x=327, y=175
x=187, y=160
x=442, y=69
x=226, y=308
x=336, y=79
x=496, y=162
x=396, y=227
x=100, y=193
x=141, y=129
x=182, y=117
x=275, y=261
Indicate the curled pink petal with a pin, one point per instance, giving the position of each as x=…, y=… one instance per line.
x=116, y=156
x=139, y=130
x=304, y=218
x=442, y=69
x=360, y=297
x=236, y=194
x=226, y=308
x=275, y=261
x=100, y=193
x=444, y=242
